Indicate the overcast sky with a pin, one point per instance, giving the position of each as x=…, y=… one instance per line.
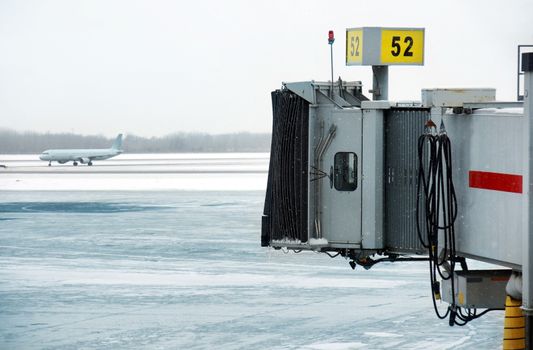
x=156, y=67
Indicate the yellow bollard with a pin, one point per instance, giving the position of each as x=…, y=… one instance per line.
x=514, y=331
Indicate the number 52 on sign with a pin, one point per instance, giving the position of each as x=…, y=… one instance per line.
x=374, y=46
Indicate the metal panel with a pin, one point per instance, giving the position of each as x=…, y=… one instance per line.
x=403, y=126
x=341, y=210
x=477, y=288
x=489, y=142
x=372, y=180
x=527, y=233
x=456, y=97
x=345, y=93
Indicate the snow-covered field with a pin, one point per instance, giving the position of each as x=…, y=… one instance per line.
x=112, y=261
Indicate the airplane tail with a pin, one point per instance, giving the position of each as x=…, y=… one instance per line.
x=118, y=143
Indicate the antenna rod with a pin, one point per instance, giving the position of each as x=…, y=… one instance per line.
x=331, y=40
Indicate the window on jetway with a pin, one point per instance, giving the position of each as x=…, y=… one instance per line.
x=345, y=171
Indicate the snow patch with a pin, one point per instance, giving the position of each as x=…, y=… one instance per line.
x=319, y=241
x=335, y=346
x=286, y=241
x=513, y=110
x=383, y=334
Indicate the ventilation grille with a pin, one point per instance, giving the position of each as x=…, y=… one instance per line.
x=403, y=126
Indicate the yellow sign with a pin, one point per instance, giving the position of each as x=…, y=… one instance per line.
x=402, y=46
x=379, y=46
x=354, y=46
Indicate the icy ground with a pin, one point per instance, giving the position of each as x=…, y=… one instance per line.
x=185, y=270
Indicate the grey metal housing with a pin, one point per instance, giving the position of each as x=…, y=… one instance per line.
x=377, y=213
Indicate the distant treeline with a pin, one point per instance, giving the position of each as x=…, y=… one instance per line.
x=13, y=142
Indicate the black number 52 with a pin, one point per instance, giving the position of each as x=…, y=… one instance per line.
x=397, y=49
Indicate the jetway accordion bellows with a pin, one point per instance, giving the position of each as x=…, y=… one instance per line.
x=285, y=211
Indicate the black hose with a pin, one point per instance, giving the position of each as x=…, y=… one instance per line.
x=436, y=195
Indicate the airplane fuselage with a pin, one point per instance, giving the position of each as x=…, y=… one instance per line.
x=84, y=156
x=67, y=155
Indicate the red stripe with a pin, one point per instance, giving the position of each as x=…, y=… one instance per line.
x=500, y=278
x=495, y=181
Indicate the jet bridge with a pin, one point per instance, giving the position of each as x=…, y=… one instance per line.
x=375, y=180
x=356, y=189
x=351, y=179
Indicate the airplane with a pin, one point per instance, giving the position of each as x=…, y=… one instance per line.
x=84, y=156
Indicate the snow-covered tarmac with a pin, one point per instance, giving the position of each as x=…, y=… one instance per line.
x=136, y=172
x=173, y=261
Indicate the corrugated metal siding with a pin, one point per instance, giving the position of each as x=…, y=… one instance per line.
x=403, y=126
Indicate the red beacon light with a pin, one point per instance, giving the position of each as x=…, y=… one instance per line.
x=331, y=37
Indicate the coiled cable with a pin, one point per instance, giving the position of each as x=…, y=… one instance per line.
x=437, y=200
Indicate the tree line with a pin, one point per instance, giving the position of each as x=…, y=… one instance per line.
x=14, y=142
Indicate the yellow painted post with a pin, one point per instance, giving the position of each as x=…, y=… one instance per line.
x=514, y=331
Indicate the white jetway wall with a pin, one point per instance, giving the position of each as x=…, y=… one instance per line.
x=488, y=148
